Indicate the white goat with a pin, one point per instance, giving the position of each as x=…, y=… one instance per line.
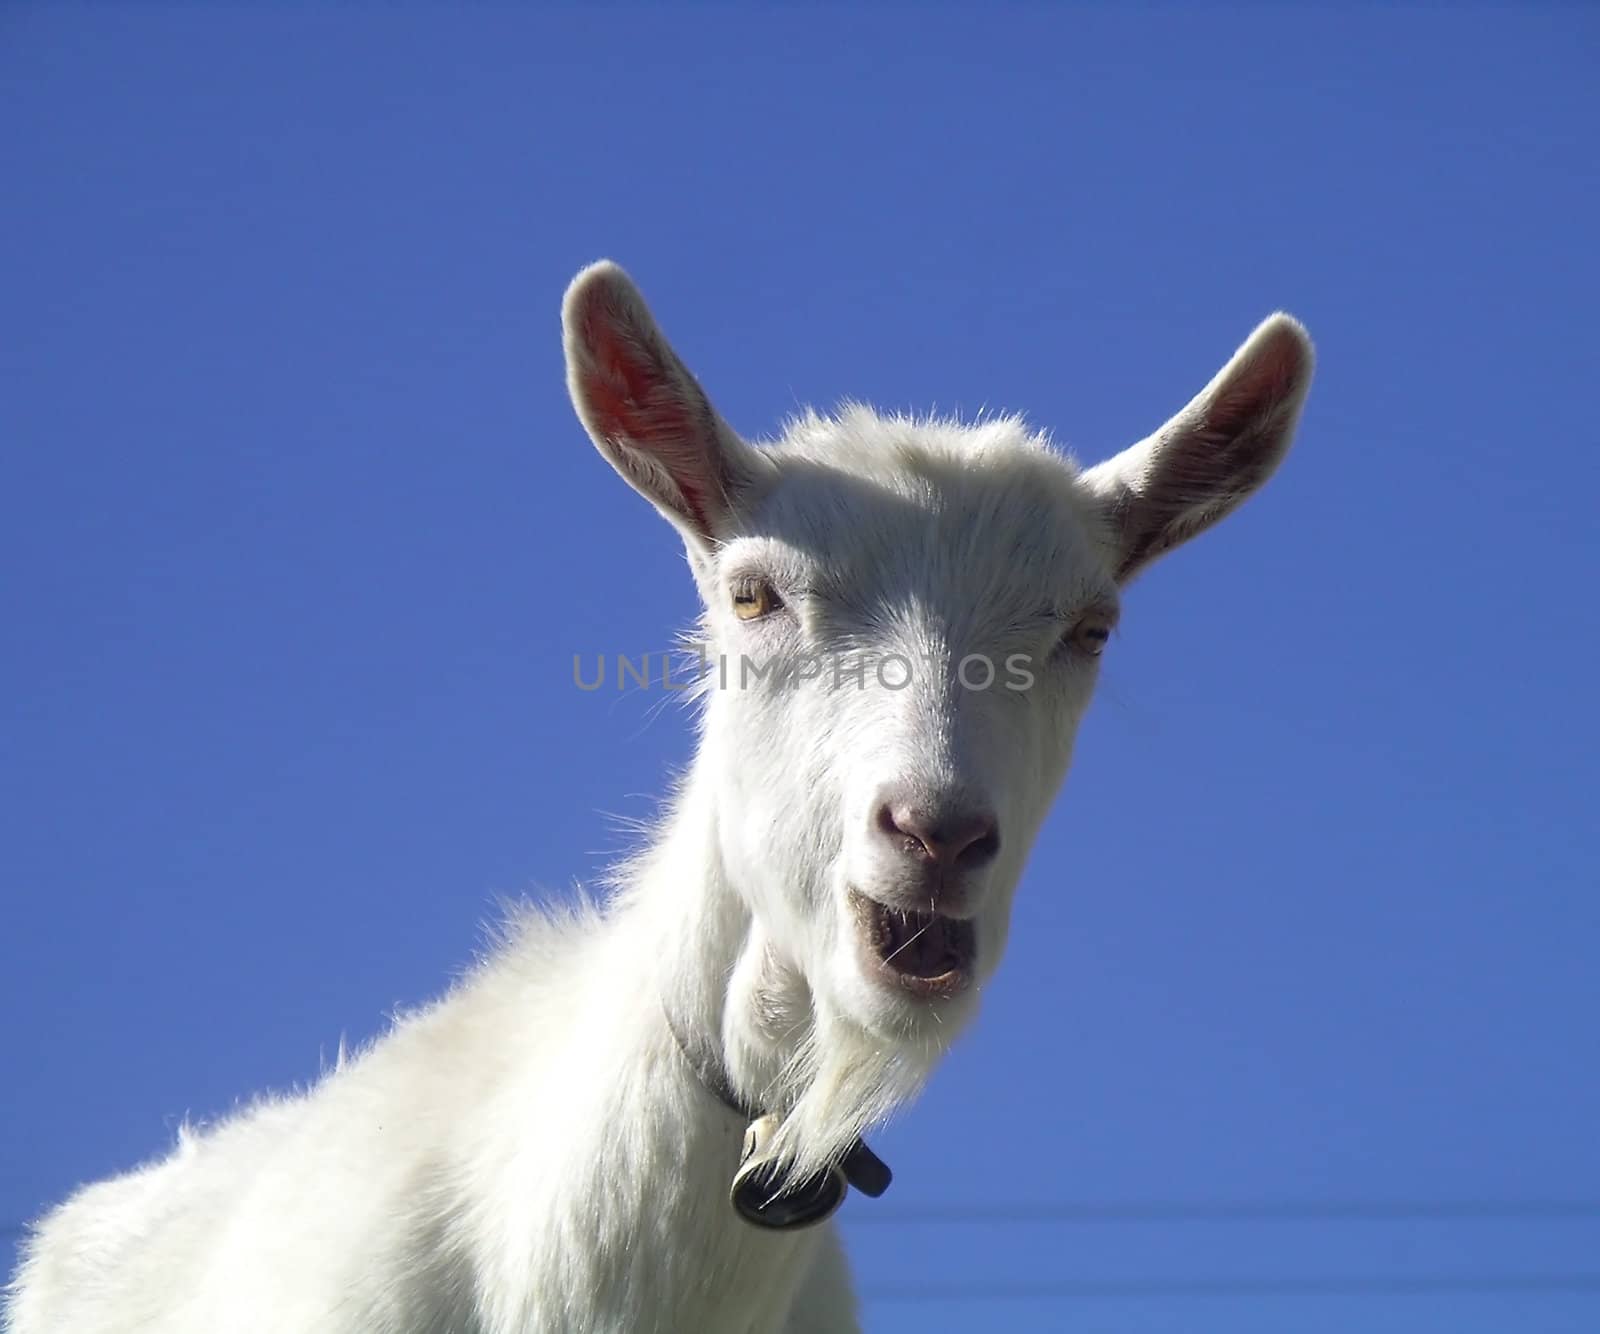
x=904, y=621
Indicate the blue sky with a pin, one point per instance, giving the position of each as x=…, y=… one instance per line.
x=299, y=537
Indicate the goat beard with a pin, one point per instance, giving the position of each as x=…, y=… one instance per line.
x=841, y=1083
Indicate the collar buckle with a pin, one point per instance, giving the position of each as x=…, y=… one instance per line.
x=757, y=1194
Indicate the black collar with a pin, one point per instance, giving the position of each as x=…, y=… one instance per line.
x=756, y=1194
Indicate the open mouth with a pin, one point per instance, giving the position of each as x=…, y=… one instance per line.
x=923, y=952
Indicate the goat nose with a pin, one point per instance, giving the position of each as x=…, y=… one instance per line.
x=965, y=839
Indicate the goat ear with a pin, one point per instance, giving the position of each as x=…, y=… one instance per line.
x=1203, y=463
x=644, y=410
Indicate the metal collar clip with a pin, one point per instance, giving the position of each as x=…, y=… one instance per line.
x=759, y=1198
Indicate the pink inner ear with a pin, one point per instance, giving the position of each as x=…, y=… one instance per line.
x=1271, y=376
x=638, y=404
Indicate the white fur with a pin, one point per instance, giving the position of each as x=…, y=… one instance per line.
x=532, y=1153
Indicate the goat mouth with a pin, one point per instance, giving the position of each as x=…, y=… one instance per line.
x=925, y=953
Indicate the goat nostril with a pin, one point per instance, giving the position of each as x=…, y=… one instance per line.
x=903, y=829
x=965, y=841
x=981, y=849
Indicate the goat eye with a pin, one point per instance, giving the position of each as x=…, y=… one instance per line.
x=753, y=599
x=1090, y=635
